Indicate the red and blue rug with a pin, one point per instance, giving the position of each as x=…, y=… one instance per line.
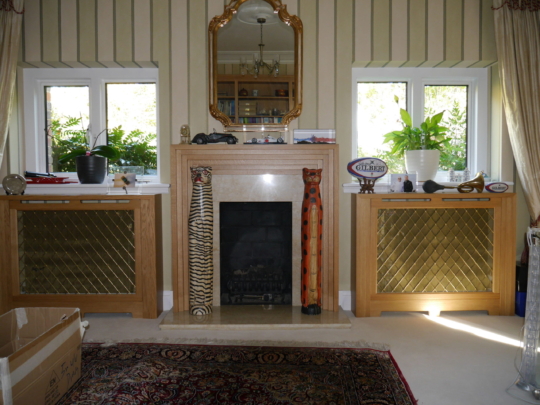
x=199, y=374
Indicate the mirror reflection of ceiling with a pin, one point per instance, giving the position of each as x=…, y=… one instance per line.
x=241, y=36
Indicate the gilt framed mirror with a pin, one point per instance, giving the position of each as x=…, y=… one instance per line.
x=255, y=66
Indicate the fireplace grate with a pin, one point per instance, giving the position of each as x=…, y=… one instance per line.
x=258, y=284
x=255, y=253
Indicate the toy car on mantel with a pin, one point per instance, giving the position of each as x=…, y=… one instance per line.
x=214, y=137
x=268, y=139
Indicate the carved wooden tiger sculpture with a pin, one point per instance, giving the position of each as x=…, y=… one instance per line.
x=312, y=213
x=200, y=229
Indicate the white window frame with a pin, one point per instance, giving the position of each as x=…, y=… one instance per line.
x=34, y=83
x=477, y=118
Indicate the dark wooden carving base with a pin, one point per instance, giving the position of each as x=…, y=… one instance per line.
x=312, y=309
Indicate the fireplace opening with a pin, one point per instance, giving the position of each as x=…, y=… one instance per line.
x=255, y=253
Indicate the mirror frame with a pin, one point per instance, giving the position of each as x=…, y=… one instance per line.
x=213, y=28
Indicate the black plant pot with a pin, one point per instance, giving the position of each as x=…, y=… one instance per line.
x=91, y=169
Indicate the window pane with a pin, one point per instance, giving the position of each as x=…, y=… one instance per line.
x=378, y=114
x=67, y=114
x=453, y=101
x=131, y=123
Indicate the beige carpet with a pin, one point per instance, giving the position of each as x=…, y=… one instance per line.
x=444, y=366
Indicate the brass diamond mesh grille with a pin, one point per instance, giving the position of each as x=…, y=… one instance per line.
x=76, y=252
x=434, y=250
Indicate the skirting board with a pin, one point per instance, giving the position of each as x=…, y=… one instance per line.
x=345, y=300
x=167, y=299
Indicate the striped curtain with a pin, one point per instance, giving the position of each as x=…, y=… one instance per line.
x=517, y=33
x=10, y=33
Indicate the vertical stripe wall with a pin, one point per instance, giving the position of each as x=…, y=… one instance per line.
x=338, y=34
x=424, y=33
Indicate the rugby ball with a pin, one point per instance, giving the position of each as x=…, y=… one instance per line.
x=367, y=168
x=496, y=187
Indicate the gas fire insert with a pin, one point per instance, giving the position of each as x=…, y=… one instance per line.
x=256, y=253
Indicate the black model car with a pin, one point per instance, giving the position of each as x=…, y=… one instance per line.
x=214, y=138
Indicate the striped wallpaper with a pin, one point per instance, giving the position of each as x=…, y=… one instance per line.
x=424, y=33
x=338, y=34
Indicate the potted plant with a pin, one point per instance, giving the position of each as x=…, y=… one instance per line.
x=420, y=146
x=91, y=161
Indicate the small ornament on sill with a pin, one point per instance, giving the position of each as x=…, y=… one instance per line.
x=466, y=174
x=184, y=134
x=367, y=170
x=124, y=180
x=451, y=175
x=497, y=187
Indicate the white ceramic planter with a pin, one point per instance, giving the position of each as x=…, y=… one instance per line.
x=424, y=162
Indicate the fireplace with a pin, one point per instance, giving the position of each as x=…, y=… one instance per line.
x=255, y=253
x=255, y=173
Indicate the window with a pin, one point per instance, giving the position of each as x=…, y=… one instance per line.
x=453, y=100
x=66, y=109
x=461, y=93
x=67, y=114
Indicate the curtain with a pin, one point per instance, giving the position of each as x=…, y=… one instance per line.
x=517, y=33
x=10, y=33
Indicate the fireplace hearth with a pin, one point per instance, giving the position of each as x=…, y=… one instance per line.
x=256, y=253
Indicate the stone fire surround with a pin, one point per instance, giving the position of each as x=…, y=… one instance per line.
x=255, y=173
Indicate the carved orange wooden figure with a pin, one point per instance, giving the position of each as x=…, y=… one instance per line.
x=312, y=213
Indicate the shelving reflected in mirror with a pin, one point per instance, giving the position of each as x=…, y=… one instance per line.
x=255, y=50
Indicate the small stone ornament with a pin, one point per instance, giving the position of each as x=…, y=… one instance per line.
x=466, y=174
x=184, y=132
x=451, y=175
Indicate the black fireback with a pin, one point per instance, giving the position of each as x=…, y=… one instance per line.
x=256, y=253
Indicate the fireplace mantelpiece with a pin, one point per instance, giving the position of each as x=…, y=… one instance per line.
x=254, y=160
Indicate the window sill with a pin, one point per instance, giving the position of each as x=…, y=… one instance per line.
x=95, y=189
x=384, y=188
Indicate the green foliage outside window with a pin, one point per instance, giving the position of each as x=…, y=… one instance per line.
x=377, y=108
x=454, y=154
x=452, y=99
x=136, y=148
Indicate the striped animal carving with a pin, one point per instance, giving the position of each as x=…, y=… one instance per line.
x=201, y=223
x=311, y=242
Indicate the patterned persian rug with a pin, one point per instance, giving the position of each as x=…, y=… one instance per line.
x=198, y=374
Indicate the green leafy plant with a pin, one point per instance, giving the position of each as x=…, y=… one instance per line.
x=90, y=148
x=136, y=147
x=429, y=136
x=70, y=140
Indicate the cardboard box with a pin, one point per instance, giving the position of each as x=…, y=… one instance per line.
x=40, y=354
